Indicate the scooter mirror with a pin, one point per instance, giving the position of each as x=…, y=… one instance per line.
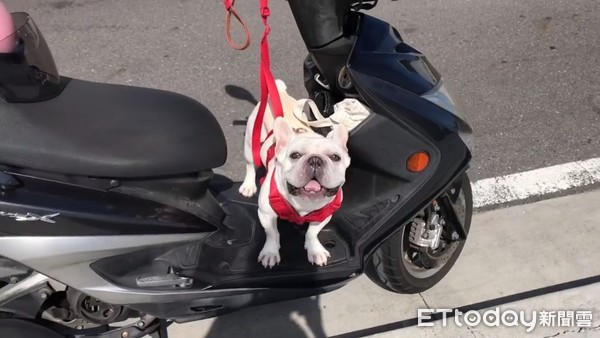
x=27, y=69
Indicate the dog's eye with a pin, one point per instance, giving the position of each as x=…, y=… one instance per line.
x=335, y=158
x=295, y=155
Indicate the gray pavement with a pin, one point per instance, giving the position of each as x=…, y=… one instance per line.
x=528, y=70
x=540, y=256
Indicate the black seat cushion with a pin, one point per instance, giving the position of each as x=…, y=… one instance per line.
x=104, y=130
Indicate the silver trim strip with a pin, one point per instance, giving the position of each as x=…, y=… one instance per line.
x=11, y=292
x=68, y=259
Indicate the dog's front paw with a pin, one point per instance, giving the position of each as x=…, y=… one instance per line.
x=269, y=255
x=248, y=189
x=317, y=254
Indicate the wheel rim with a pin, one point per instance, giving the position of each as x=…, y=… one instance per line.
x=412, y=260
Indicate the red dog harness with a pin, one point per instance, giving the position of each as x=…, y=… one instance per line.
x=285, y=211
x=268, y=88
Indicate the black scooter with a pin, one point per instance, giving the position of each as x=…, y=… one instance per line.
x=109, y=209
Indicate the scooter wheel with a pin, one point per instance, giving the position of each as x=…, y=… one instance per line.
x=392, y=269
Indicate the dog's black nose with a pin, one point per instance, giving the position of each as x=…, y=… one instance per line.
x=315, y=162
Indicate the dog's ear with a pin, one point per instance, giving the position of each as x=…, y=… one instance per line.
x=340, y=135
x=282, y=134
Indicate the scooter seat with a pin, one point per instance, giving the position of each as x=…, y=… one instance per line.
x=105, y=130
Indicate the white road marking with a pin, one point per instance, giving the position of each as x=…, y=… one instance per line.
x=538, y=182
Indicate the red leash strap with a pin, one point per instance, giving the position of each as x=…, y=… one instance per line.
x=267, y=86
x=267, y=81
x=231, y=11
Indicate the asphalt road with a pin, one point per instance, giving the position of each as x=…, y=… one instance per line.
x=528, y=70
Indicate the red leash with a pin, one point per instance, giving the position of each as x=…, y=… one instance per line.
x=267, y=86
x=267, y=81
x=231, y=11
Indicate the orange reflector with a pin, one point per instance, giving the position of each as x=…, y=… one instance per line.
x=417, y=162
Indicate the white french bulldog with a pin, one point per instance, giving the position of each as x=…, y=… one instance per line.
x=309, y=170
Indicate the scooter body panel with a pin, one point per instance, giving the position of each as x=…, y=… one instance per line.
x=109, y=232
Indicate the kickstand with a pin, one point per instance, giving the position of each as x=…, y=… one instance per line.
x=161, y=332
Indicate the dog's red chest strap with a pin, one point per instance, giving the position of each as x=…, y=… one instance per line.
x=285, y=211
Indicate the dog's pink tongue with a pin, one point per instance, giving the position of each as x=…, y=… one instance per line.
x=312, y=186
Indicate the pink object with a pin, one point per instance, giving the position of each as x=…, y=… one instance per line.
x=312, y=186
x=7, y=39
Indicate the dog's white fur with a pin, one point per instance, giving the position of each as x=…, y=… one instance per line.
x=296, y=172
